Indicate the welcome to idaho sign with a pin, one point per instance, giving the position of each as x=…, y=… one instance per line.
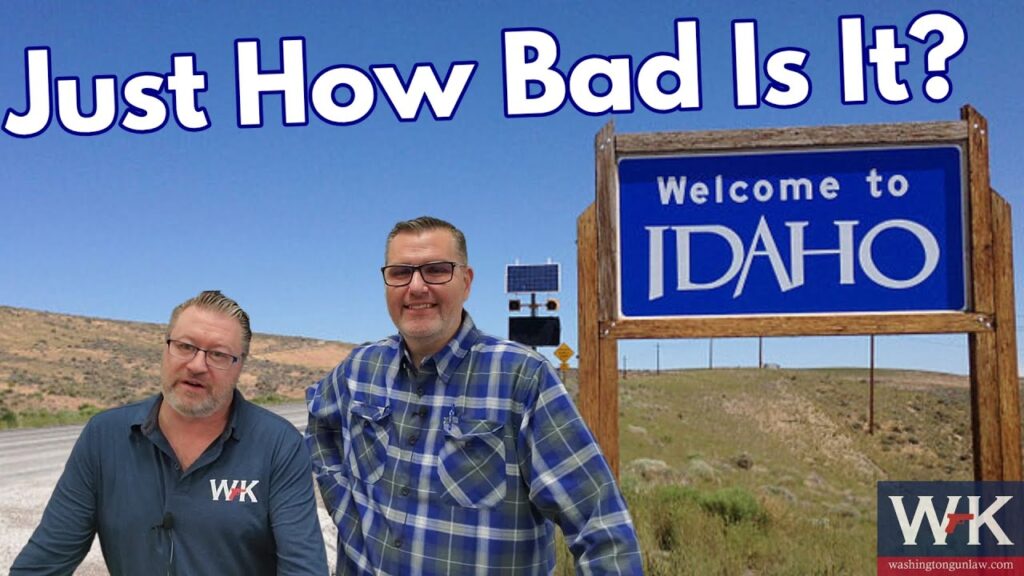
x=802, y=231
x=793, y=232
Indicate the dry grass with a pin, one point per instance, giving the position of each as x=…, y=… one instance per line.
x=792, y=442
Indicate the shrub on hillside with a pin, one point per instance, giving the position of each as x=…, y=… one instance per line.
x=733, y=504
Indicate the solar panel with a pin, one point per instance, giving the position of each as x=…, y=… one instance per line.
x=532, y=278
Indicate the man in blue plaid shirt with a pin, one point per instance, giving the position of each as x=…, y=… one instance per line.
x=442, y=450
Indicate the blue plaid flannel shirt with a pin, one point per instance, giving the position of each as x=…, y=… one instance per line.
x=461, y=465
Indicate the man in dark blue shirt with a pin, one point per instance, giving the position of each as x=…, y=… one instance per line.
x=195, y=480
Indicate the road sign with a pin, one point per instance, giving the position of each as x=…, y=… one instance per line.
x=563, y=352
x=793, y=232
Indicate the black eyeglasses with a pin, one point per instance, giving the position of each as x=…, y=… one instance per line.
x=214, y=358
x=431, y=272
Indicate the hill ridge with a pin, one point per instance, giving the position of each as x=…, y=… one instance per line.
x=53, y=362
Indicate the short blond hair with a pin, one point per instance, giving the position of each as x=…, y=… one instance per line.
x=426, y=224
x=214, y=301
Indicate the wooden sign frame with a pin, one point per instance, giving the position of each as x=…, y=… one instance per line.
x=989, y=320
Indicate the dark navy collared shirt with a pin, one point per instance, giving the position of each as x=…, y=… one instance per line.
x=246, y=506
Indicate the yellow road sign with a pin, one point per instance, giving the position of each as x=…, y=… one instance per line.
x=563, y=352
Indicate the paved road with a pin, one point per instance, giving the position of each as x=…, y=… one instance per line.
x=30, y=464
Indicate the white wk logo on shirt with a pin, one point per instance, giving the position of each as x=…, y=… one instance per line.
x=238, y=490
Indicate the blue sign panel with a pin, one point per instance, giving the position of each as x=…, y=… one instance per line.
x=838, y=231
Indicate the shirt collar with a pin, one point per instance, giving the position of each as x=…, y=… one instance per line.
x=448, y=358
x=147, y=413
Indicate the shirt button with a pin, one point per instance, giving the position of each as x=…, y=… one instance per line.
x=404, y=491
x=419, y=391
x=412, y=439
x=398, y=542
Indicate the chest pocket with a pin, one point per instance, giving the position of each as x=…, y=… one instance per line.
x=472, y=464
x=369, y=434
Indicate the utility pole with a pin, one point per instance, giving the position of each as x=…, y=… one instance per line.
x=711, y=353
x=871, y=389
x=760, y=351
x=657, y=357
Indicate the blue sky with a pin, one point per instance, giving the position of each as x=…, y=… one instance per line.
x=290, y=221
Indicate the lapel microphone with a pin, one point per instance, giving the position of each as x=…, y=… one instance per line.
x=167, y=523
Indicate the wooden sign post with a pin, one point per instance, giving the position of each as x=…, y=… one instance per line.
x=987, y=312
